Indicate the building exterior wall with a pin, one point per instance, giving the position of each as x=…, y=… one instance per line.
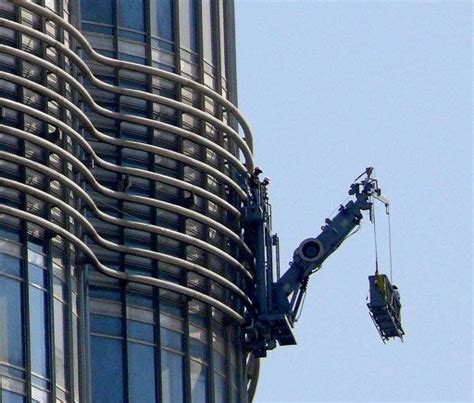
x=123, y=274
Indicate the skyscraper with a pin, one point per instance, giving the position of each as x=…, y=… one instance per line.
x=123, y=270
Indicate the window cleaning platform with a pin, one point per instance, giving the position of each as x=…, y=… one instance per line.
x=385, y=307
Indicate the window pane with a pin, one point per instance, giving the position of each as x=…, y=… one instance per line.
x=9, y=265
x=219, y=388
x=8, y=232
x=132, y=14
x=38, y=325
x=106, y=325
x=10, y=397
x=59, y=343
x=222, y=36
x=141, y=331
x=110, y=294
x=141, y=367
x=37, y=275
x=171, y=339
x=198, y=382
x=219, y=362
x=188, y=24
x=208, y=30
x=107, y=371
x=198, y=350
x=164, y=22
x=135, y=298
x=97, y=11
x=172, y=377
x=11, y=338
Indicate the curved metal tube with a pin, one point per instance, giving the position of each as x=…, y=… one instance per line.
x=104, y=164
x=147, y=122
x=125, y=91
x=113, y=220
x=247, y=149
x=137, y=199
x=113, y=246
x=121, y=275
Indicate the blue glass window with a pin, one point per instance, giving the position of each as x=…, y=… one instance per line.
x=140, y=331
x=223, y=35
x=9, y=265
x=97, y=11
x=198, y=350
x=198, y=382
x=37, y=275
x=208, y=30
x=106, y=325
x=188, y=24
x=132, y=14
x=171, y=339
x=8, y=232
x=38, y=328
x=10, y=397
x=141, y=368
x=96, y=28
x=172, y=377
x=164, y=19
x=60, y=342
x=11, y=337
x=135, y=298
x=107, y=370
x=110, y=294
x=219, y=388
x=219, y=362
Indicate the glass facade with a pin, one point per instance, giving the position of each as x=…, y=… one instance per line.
x=123, y=270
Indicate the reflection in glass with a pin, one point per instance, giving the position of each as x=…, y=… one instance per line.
x=172, y=377
x=38, y=329
x=140, y=331
x=141, y=373
x=107, y=370
x=97, y=11
x=11, y=338
x=37, y=275
x=164, y=19
x=219, y=388
x=8, y=232
x=198, y=382
x=188, y=24
x=10, y=397
x=171, y=339
x=208, y=30
x=219, y=362
x=198, y=350
x=132, y=14
x=9, y=265
x=59, y=343
x=106, y=325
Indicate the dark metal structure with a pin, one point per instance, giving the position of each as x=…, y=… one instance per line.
x=385, y=307
x=278, y=298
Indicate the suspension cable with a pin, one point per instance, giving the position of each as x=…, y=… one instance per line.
x=389, y=241
x=375, y=240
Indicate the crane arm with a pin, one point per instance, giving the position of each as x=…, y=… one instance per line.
x=278, y=301
x=312, y=252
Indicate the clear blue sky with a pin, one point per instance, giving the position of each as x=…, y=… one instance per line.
x=330, y=88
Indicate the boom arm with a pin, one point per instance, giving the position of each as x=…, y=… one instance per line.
x=312, y=252
x=278, y=302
